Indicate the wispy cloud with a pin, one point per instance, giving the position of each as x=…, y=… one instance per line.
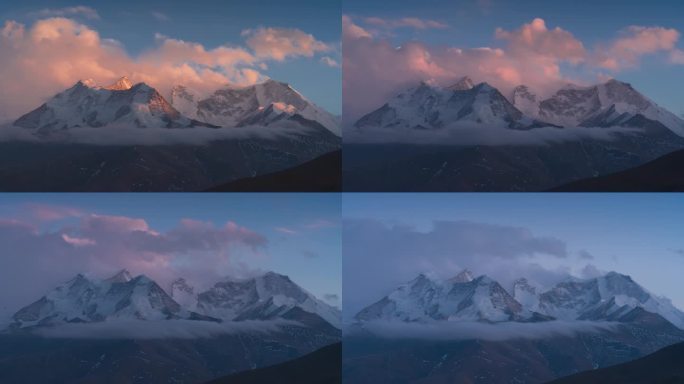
x=481, y=331
x=160, y=16
x=81, y=10
x=320, y=223
x=405, y=22
x=287, y=231
x=330, y=62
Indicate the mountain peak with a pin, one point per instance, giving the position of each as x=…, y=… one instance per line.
x=463, y=84
x=123, y=84
x=123, y=276
x=485, y=86
x=465, y=276
x=90, y=83
x=271, y=274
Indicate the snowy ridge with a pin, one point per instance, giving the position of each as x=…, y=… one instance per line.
x=612, y=103
x=82, y=300
x=123, y=297
x=426, y=299
x=604, y=297
x=612, y=297
x=262, y=297
x=430, y=107
x=238, y=106
x=87, y=105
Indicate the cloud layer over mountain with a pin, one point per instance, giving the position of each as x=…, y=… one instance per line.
x=39, y=60
x=533, y=54
x=57, y=242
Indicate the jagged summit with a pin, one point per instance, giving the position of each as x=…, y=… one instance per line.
x=430, y=107
x=609, y=104
x=463, y=84
x=426, y=299
x=140, y=106
x=84, y=299
x=605, y=298
x=122, y=84
x=465, y=276
x=254, y=105
x=123, y=276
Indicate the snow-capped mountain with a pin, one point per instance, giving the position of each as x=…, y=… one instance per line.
x=428, y=107
x=184, y=294
x=121, y=296
x=121, y=103
x=526, y=294
x=457, y=299
x=261, y=298
x=606, y=297
x=612, y=297
x=259, y=104
x=84, y=300
x=613, y=103
x=463, y=84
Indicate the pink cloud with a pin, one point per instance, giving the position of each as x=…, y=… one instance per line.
x=54, y=53
x=281, y=43
x=376, y=69
x=633, y=43
x=534, y=38
x=109, y=224
x=351, y=30
x=46, y=212
x=78, y=242
x=103, y=244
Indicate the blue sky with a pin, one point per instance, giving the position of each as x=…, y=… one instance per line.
x=635, y=234
x=301, y=231
x=213, y=23
x=472, y=23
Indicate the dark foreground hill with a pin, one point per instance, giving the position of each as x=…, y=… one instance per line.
x=663, y=367
x=322, y=174
x=323, y=366
x=664, y=174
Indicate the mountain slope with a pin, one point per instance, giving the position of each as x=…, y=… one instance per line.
x=613, y=103
x=263, y=298
x=665, y=366
x=664, y=174
x=458, y=299
x=85, y=105
x=84, y=300
x=259, y=104
x=428, y=107
x=612, y=297
x=323, y=366
x=617, y=321
x=322, y=174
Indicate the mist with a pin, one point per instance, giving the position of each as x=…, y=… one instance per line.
x=168, y=329
x=475, y=134
x=125, y=135
x=440, y=331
